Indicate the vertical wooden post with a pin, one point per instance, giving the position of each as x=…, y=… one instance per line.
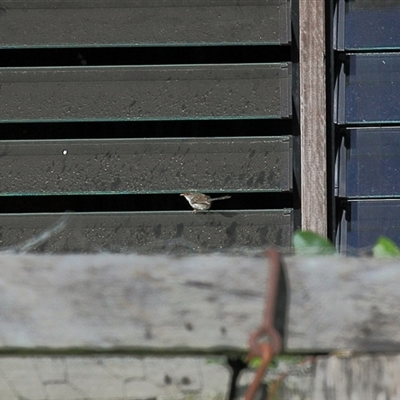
x=313, y=116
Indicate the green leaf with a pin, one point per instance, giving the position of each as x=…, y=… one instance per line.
x=255, y=362
x=307, y=243
x=385, y=247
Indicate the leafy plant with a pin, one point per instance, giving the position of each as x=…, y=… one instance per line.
x=310, y=243
x=385, y=247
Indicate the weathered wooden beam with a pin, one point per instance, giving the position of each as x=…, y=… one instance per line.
x=313, y=116
x=127, y=301
x=343, y=303
x=202, y=303
x=113, y=378
x=366, y=377
x=332, y=377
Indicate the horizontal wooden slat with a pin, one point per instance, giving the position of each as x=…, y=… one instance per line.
x=366, y=376
x=198, y=303
x=147, y=232
x=105, y=302
x=333, y=377
x=145, y=92
x=143, y=22
x=341, y=303
x=145, y=166
x=113, y=378
x=340, y=376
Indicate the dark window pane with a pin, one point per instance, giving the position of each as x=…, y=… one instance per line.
x=372, y=163
x=372, y=24
x=372, y=89
x=370, y=219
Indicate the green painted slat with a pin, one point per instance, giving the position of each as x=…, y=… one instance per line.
x=104, y=166
x=49, y=23
x=146, y=232
x=126, y=93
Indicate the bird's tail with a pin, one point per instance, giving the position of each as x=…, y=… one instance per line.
x=220, y=198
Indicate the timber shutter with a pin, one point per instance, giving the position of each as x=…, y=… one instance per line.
x=111, y=109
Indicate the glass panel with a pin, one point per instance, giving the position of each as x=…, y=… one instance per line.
x=146, y=232
x=372, y=88
x=76, y=23
x=372, y=24
x=369, y=220
x=45, y=167
x=373, y=162
x=210, y=91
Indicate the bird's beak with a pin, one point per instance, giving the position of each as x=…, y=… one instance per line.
x=182, y=194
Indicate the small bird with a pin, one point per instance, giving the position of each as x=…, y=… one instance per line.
x=200, y=201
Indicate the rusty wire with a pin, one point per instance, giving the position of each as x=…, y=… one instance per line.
x=267, y=328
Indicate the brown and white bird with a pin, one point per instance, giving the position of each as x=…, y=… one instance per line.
x=200, y=201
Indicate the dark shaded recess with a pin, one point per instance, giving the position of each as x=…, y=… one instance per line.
x=143, y=55
x=282, y=301
x=142, y=202
x=145, y=129
x=237, y=365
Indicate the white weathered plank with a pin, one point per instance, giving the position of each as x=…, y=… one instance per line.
x=366, y=377
x=128, y=301
x=198, y=303
x=113, y=378
x=313, y=116
x=343, y=303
